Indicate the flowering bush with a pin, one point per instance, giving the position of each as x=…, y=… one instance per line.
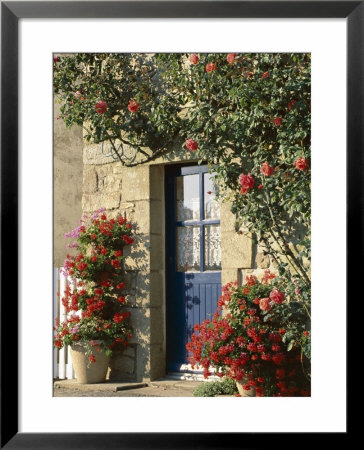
x=262, y=339
x=95, y=303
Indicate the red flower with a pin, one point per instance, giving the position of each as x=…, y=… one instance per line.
x=191, y=145
x=260, y=186
x=99, y=291
x=277, y=121
x=118, y=317
x=56, y=59
x=301, y=163
x=115, y=263
x=266, y=169
x=93, y=236
x=133, y=106
x=282, y=331
x=121, y=299
x=101, y=107
x=92, y=358
x=276, y=296
x=118, y=253
x=121, y=220
x=120, y=285
x=306, y=333
x=265, y=75
x=264, y=304
x=280, y=374
x=246, y=182
x=278, y=358
x=93, y=258
x=81, y=266
x=291, y=104
x=210, y=67
x=231, y=58
x=194, y=58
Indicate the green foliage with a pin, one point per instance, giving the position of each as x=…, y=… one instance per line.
x=226, y=386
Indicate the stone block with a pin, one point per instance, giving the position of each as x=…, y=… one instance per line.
x=140, y=323
x=136, y=183
x=229, y=275
x=156, y=252
x=89, y=180
x=157, y=217
x=157, y=182
x=237, y=250
x=93, y=202
x=95, y=154
x=123, y=364
x=158, y=361
x=137, y=255
x=110, y=183
x=262, y=261
x=157, y=289
x=157, y=331
x=227, y=218
x=140, y=216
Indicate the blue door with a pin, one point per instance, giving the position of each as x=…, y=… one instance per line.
x=193, y=256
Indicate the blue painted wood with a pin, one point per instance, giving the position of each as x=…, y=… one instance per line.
x=191, y=296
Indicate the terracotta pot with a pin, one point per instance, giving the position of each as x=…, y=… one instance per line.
x=243, y=392
x=87, y=372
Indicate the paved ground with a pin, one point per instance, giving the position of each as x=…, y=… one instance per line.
x=160, y=388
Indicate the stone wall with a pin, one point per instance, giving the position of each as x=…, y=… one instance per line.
x=67, y=179
x=138, y=193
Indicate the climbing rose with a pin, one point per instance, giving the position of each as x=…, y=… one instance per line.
x=277, y=121
x=266, y=169
x=133, y=106
x=301, y=163
x=246, y=182
x=231, y=58
x=265, y=75
x=92, y=358
x=291, y=104
x=191, y=145
x=264, y=304
x=56, y=58
x=101, y=107
x=210, y=67
x=194, y=58
x=277, y=296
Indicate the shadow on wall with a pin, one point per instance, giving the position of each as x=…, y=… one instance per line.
x=132, y=363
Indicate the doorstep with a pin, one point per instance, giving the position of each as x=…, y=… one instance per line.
x=108, y=386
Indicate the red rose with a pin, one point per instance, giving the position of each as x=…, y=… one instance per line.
x=278, y=358
x=246, y=182
x=99, y=291
x=120, y=285
x=265, y=75
x=101, y=107
x=301, y=163
x=194, y=58
x=118, y=253
x=266, y=169
x=115, y=263
x=133, y=106
x=56, y=59
x=277, y=121
x=92, y=358
x=276, y=296
x=264, y=304
x=260, y=186
x=94, y=258
x=121, y=299
x=306, y=333
x=191, y=145
x=231, y=58
x=210, y=67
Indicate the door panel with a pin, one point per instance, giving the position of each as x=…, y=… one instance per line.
x=193, y=250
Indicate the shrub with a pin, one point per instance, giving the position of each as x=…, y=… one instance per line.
x=226, y=386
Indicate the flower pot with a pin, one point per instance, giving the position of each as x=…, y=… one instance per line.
x=86, y=371
x=243, y=392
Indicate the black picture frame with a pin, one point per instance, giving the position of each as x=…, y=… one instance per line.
x=11, y=12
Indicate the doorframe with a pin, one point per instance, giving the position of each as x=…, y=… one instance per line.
x=172, y=171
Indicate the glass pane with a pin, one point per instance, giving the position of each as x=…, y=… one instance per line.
x=211, y=206
x=188, y=249
x=212, y=247
x=188, y=198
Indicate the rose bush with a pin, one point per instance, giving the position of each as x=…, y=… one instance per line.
x=262, y=339
x=94, y=303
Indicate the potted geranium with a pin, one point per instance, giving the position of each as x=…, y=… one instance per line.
x=261, y=340
x=96, y=320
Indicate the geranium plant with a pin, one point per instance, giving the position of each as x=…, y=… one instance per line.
x=262, y=339
x=95, y=303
